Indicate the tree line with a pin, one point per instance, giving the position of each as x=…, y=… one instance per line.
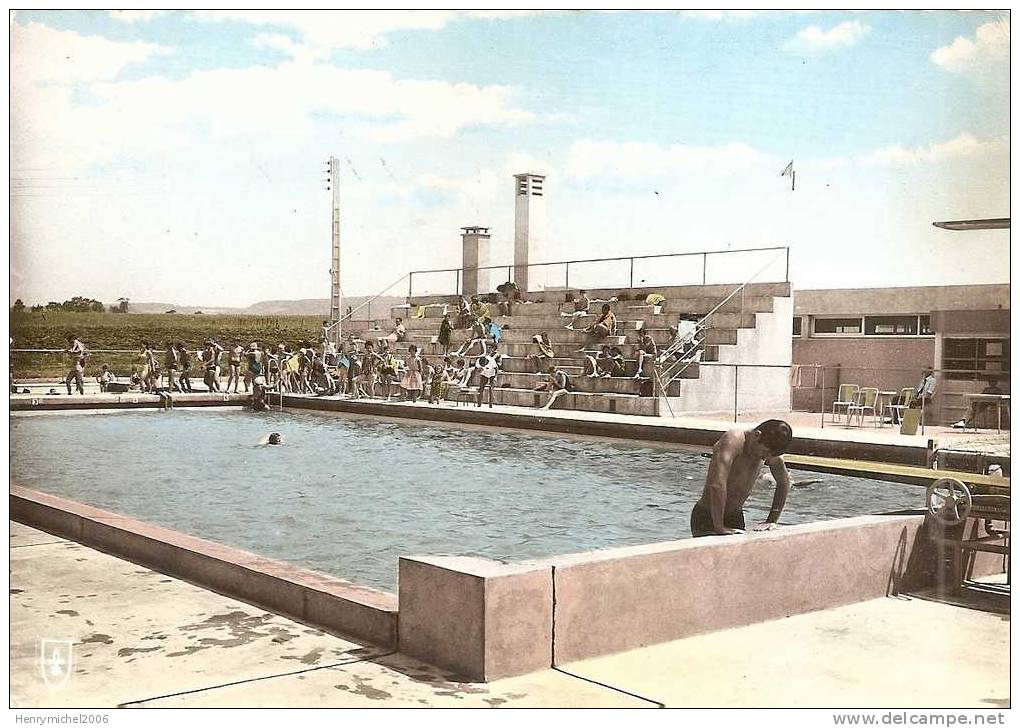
x=76, y=303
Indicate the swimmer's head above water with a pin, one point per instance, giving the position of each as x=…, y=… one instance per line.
x=275, y=438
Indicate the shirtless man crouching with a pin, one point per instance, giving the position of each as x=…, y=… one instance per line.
x=736, y=459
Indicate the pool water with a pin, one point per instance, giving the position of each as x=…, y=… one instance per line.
x=347, y=496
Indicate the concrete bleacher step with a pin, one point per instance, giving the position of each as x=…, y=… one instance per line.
x=581, y=401
x=562, y=352
x=632, y=322
x=607, y=385
x=687, y=306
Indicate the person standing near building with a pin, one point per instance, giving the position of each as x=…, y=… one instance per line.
x=737, y=458
x=184, y=361
x=445, y=331
x=488, y=367
x=171, y=361
x=79, y=355
x=412, y=380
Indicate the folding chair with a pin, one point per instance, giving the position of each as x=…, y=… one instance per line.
x=866, y=400
x=846, y=397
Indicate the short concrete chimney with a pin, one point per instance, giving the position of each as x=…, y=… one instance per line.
x=476, y=255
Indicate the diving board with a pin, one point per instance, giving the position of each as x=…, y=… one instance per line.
x=909, y=474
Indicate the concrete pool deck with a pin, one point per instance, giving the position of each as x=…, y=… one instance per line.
x=144, y=639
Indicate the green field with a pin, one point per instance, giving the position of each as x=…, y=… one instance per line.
x=49, y=330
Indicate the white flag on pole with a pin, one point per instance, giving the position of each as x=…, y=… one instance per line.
x=787, y=170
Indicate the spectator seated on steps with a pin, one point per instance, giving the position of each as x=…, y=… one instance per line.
x=605, y=325
x=542, y=352
x=581, y=305
x=604, y=362
x=646, y=350
x=478, y=309
x=511, y=295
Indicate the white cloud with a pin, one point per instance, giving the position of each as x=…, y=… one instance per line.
x=963, y=145
x=717, y=15
x=40, y=54
x=360, y=29
x=298, y=51
x=815, y=40
x=143, y=116
x=519, y=162
x=990, y=48
x=136, y=16
x=642, y=160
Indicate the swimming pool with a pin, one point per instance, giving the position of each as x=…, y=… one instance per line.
x=348, y=495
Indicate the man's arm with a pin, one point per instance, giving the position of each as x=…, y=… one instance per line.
x=715, y=483
x=782, y=477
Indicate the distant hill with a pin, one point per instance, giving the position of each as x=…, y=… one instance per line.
x=380, y=307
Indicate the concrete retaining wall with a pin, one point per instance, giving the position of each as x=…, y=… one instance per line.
x=317, y=599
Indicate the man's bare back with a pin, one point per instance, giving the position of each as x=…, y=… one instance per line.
x=736, y=461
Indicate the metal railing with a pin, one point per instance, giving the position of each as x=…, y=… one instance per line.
x=335, y=329
x=703, y=254
x=695, y=339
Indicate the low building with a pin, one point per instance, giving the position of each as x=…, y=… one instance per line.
x=886, y=337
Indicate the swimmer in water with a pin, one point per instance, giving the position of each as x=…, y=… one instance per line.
x=273, y=438
x=736, y=460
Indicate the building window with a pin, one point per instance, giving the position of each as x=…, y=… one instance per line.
x=890, y=325
x=975, y=359
x=837, y=326
x=796, y=325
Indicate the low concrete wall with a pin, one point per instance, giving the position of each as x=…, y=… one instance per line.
x=621, y=599
x=479, y=618
x=485, y=620
x=320, y=600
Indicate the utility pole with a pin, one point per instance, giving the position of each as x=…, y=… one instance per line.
x=335, y=294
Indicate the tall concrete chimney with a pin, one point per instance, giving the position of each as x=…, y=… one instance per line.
x=476, y=254
x=529, y=231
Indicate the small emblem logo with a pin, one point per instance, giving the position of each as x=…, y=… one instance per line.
x=56, y=660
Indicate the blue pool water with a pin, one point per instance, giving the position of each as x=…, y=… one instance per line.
x=347, y=496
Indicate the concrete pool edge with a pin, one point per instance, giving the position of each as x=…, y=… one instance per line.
x=129, y=400
x=319, y=600
x=654, y=430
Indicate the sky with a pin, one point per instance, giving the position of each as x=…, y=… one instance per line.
x=179, y=156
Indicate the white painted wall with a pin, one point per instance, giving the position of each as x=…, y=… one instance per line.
x=758, y=389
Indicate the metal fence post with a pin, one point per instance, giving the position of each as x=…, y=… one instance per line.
x=566, y=276
x=736, y=380
x=410, y=278
x=787, y=279
x=508, y=274
x=457, y=287
x=821, y=396
x=704, y=268
x=631, y=273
